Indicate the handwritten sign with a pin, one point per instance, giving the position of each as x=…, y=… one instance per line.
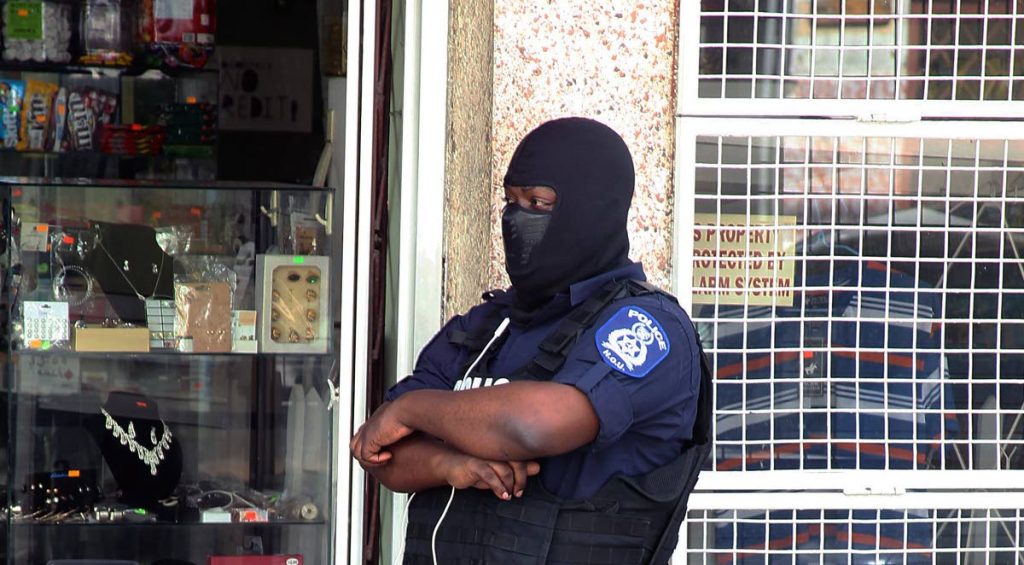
x=50, y=374
x=740, y=260
x=263, y=89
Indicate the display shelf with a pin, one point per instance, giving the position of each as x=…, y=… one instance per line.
x=56, y=183
x=193, y=153
x=231, y=525
x=168, y=355
x=134, y=69
x=139, y=428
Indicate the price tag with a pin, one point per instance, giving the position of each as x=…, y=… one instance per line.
x=24, y=20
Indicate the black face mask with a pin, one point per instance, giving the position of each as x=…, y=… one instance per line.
x=590, y=169
x=522, y=230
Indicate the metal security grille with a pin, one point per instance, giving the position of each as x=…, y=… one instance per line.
x=940, y=51
x=850, y=238
x=854, y=536
x=862, y=299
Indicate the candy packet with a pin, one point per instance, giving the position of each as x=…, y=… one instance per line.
x=36, y=111
x=12, y=92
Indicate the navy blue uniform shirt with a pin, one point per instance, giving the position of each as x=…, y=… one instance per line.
x=637, y=364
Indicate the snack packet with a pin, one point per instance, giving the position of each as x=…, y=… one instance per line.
x=12, y=92
x=35, y=115
x=59, y=121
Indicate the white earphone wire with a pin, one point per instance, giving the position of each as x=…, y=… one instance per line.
x=400, y=554
x=433, y=539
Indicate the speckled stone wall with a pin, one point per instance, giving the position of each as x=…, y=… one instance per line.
x=613, y=61
x=467, y=208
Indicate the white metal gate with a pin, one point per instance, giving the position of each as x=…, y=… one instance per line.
x=850, y=230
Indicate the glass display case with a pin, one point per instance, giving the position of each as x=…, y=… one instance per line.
x=170, y=372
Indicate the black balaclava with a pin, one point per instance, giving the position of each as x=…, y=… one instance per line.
x=590, y=168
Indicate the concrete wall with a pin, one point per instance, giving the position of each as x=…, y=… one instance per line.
x=515, y=64
x=613, y=61
x=468, y=157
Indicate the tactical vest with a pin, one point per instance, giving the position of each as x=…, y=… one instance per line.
x=631, y=520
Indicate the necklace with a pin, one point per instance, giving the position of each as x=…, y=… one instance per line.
x=149, y=456
x=157, y=271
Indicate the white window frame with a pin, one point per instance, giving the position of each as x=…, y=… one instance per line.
x=976, y=504
x=805, y=489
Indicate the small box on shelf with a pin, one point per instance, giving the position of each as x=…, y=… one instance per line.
x=111, y=340
x=293, y=292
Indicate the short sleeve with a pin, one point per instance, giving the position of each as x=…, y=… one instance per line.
x=639, y=368
x=435, y=365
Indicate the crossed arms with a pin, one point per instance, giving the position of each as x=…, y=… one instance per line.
x=486, y=438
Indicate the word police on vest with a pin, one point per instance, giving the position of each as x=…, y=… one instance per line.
x=467, y=383
x=632, y=342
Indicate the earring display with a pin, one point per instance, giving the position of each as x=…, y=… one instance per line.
x=160, y=316
x=130, y=267
x=45, y=322
x=203, y=319
x=293, y=312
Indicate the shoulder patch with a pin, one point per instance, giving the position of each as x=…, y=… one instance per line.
x=632, y=342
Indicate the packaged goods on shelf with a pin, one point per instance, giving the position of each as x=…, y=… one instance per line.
x=36, y=115
x=177, y=32
x=133, y=139
x=87, y=110
x=38, y=31
x=105, y=35
x=12, y=92
x=189, y=124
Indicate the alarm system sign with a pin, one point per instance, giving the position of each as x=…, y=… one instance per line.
x=743, y=260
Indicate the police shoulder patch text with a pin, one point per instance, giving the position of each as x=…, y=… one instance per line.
x=632, y=342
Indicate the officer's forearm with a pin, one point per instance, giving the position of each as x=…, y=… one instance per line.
x=417, y=464
x=510, y=422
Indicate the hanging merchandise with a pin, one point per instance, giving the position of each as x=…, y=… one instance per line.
x=38, y=31
x=35, y=115
x=177, y=32
x=105, y=34
x=12, y=92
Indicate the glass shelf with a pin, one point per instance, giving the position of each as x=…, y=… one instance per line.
x=270, y=524
x=105, y=70
x=167, y=355
x=232, y=265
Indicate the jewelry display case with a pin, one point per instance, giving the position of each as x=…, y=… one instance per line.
x=155, y=411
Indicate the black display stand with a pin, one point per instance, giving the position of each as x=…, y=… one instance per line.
x=127, y=262
x=138, y=485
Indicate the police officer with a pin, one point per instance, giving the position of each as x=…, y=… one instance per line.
x=556, y=421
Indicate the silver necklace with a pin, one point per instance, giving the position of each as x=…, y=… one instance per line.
x=149, y=456
x=157, y=271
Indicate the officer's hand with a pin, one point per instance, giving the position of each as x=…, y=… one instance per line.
x=380, y=431
x=500, y=477
x=521, y=471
